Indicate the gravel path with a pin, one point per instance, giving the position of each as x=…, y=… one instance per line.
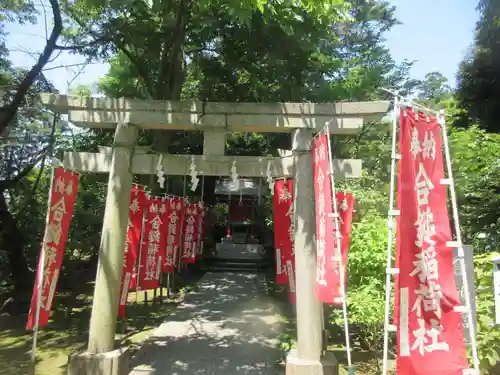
x=229, y=326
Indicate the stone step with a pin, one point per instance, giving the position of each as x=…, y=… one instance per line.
x=239, y=265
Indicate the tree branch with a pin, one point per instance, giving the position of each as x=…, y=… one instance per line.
x=7, y=184
x=50, y=150
x=122, y=46
x=85, y=63
x=42, y=156
x=190, y=51
x=168, y=55
x=80, y=47
x=9, y=111
x=138, y=66
x=177, y=52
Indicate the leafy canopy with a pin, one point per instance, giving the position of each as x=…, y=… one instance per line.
x=479, y=76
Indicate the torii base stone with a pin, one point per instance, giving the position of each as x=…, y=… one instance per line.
x=326, y=365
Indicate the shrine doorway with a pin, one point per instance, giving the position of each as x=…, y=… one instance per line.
x=241, y=238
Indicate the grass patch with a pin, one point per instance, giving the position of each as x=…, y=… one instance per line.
x=365, y=362
x=64, y=333
x=288, y=337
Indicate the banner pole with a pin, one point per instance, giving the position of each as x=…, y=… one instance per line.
x=139, y=253
x=410, y=103
x=465, y=283
x=200, y=240
x=390, y=226
x=41, y=268
x=181, y=233
x=169, y=278
x=338, y=238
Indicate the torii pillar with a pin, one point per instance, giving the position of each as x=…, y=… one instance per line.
x=113, y=239
x=100, y=357
x=308, y=358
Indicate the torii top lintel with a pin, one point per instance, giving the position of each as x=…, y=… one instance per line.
x=345, y=117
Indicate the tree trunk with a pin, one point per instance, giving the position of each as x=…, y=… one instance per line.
x=172, y=71
x=8, y=112
x=12, y=242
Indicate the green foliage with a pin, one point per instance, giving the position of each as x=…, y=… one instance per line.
x=30, y=211
x=20, y=11
x=365, y=285
x=286, y=342
x=488, y=335
x=263, y=62
x=478, y=89
x=476, y=164
x=157, y=66
x=368, y=251
x=247, y=144
x=282, y=54
x=433, y=90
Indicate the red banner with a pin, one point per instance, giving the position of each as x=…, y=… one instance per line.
x=201, y=231
x=345, y=209
x=430, y=338
x=175, y=215
x=327, y=285
x=283, y=231
x=62, y=202
x=138, y=202
x=154, y=243
x=290, y=259
x=190, y=234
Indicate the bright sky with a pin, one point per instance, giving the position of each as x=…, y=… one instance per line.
x=434, y=33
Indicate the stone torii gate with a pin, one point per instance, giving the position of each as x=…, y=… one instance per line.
x=124, y=159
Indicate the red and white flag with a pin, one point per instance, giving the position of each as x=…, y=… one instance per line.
x=283, y=234
x=327, y=260
x=345, y=209
x=62, y=202
x=202, y=218
x=175, y=215
x=430, y=338
x=328, y=283
x=190, y=233
x=138, y=202
x=153, y=246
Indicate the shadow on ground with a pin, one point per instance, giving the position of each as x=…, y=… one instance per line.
x=65, y=334
x=229, y=325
